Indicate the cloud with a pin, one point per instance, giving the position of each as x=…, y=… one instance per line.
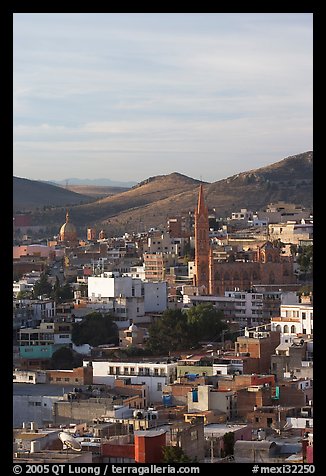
x=164, y=86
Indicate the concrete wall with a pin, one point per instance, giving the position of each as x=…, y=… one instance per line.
x=28, y=408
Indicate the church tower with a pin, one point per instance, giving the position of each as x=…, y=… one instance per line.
x=202, y=247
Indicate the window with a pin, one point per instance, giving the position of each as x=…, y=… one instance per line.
x=30, y=377
x=58, y=379
x=303, y=315
x=159, y=386
x=67, y=379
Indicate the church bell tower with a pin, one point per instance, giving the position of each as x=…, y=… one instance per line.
x=202, y=247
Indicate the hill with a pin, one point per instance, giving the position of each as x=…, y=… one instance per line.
x=96, y=191
x=32, y=194
x=152, y=201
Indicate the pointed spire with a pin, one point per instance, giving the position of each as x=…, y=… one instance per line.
x=201, y=202
x=67, y=216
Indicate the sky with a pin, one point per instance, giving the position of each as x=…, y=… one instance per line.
x=127, y=96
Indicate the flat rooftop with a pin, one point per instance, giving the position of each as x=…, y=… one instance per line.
x=43, y=389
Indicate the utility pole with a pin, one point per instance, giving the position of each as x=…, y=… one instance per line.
x=279, y=419
x=212, y=450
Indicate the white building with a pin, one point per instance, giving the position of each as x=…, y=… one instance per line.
x=152, y=294
x=137, y=272
x=294, y=319
x=244, y=214
x=29, y=376
x=154, y=374
x=246, y=308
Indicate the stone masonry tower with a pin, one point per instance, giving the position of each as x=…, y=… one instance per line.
x=202, y=247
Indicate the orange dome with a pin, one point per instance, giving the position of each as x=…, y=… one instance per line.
x=68, y=231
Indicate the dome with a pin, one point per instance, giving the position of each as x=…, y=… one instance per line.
x=68, y=231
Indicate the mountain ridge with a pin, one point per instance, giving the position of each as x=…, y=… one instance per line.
x=153, y=200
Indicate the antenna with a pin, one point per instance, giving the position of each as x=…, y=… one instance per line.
x=69, y=441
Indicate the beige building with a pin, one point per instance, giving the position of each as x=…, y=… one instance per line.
x=206, y=397
x=133, y=336
x=291, y=231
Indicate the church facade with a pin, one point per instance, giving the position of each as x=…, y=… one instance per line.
x=214, y=277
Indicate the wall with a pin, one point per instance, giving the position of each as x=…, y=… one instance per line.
x=78, y=376
x=155, y=296
x=28, y=408
x=148, y=449
x=25, y=376
x=36, y=351
x=247, y=400
x=123, y=453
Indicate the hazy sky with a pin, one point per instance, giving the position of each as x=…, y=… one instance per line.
x=127, y=96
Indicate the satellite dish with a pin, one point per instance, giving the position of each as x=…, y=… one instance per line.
x=69, y=441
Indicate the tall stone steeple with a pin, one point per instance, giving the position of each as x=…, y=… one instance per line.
x=201, y=242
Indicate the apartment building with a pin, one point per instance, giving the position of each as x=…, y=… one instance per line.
x=154, y=374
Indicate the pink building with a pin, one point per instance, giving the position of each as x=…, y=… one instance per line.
x=41, y=251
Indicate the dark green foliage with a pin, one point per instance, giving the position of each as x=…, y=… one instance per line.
x=42, y=287
x=228, y=440
x=65, y=359
x=168, y=333
x=95, y=329
x=174, y=454
x=177, y=330
x=305, y=259
x=61, y=293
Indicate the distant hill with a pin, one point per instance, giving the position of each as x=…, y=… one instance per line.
x=96, y=191
x=147, y=192
x=151, y=202
x=32, y=194
x=99, y=182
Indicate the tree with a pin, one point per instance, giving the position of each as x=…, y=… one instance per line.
x=168, y=333
x=27, y=294
x=66, y=293
x=174, y=454
x=42, y=286
x=305, y=259
x=204, y=323
x=228, y=440
x=95, y=329
x=61, y=293
x=65, y=358
x=177, y=330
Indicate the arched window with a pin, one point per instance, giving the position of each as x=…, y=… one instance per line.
x=278, y=328
x=293, y=330
x=286, y=329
